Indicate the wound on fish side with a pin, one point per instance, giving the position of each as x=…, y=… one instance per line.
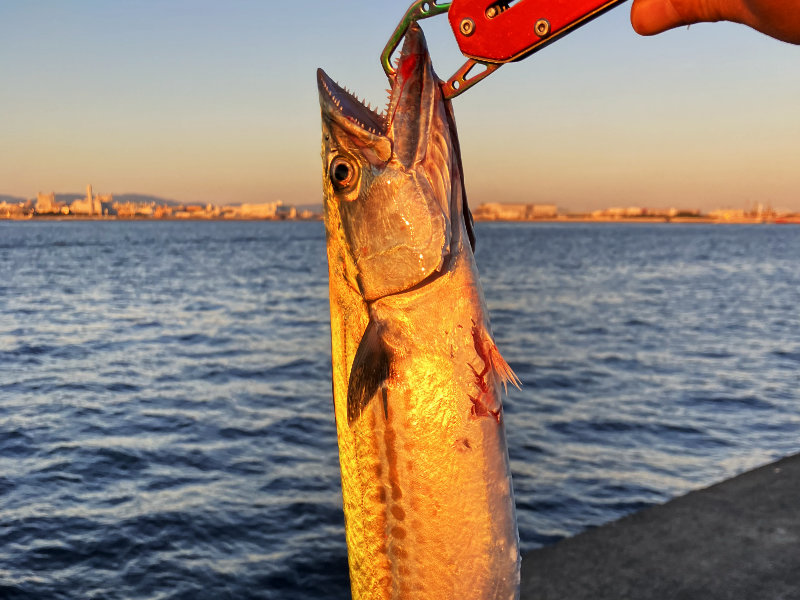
x=370, y=370
x=495, y=369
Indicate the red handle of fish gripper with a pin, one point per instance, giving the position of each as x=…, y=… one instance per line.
x=492, y=31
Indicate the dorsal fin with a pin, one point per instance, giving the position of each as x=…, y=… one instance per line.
x=371, y=368
x=469, y=223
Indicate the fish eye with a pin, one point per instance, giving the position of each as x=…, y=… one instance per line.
x=342, y=172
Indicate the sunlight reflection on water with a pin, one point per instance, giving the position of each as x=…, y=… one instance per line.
x=166, y=428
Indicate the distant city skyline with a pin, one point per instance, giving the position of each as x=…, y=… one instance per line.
x=203, y=103
x=126, y=206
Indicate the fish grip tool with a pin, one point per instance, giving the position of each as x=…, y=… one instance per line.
x=491, y=33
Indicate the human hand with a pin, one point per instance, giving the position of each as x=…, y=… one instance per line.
x=777, y=18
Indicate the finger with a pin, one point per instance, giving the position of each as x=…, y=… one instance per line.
x=654, y=16
x=649, y=17
x=777, y=18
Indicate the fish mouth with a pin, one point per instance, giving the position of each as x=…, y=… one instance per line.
x=342, y=105
x=414, y=75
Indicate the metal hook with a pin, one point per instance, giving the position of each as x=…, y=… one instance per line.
x=460, y=82
x=422, y=9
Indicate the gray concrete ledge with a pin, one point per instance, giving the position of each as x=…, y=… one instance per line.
x=736, y=540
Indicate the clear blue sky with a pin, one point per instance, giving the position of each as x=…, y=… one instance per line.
x=216, y=102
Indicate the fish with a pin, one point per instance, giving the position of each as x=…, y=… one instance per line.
x=417, y=377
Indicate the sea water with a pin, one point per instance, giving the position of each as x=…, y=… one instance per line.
x=166, y=424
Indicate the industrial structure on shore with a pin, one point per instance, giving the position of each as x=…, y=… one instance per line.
x=92, y=205
x=758, y=213
x=104, y=206
x=497, y=211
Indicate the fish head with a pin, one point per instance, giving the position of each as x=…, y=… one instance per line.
x=394, y=179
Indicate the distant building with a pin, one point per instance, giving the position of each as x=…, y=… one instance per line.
x=133, y=209
x=162, y=211
x=81, y=206
x=103, y=204
x=267, y=210
x=308, y=214
x=16, y=210
x=286, y=212
x=685, y=212
x=620, y=211
x=727, y=214
x=92, y=205
x=191, y=211
x=496, y=211
x=124, y=209
x=46, y=204
x=91, y=200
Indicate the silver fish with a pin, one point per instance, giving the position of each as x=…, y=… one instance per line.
x=417, y=377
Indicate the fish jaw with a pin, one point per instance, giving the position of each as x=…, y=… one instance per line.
x=404, y=127
x=397, y=204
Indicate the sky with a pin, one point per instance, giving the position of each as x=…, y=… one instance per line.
x=202, y=101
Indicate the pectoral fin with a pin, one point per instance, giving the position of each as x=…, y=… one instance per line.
x=371, y=368
x=493, y=362
x=501, y=369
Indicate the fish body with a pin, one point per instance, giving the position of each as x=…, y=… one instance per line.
x=428, y=500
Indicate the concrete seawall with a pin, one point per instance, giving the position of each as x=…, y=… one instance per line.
x=736, y=540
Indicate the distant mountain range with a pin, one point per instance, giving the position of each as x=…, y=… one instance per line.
x=11, y=199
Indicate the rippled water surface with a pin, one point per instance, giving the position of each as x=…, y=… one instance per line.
x=166, y=428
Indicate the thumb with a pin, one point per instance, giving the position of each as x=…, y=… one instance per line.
x=777, y=18
x=649, y=17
